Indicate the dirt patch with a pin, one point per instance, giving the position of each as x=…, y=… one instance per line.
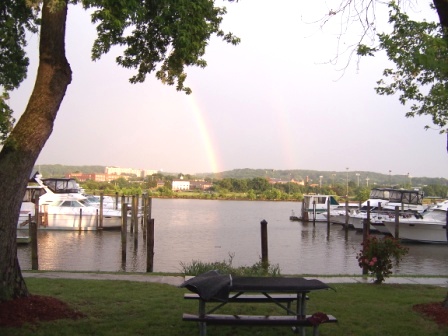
x=34, y=309
x=433, y=311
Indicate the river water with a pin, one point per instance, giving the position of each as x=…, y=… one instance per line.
x=210, y=230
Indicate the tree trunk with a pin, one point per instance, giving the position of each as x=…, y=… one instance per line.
x=26, y=141
x=442, y=11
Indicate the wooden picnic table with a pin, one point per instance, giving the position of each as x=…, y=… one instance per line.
x=281, y=291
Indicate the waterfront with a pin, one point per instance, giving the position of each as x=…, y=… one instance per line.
x=187, y=230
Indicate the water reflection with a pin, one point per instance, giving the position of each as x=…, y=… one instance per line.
x=208, y=231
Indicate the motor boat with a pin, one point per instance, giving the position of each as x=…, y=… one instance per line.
x=63, y=207
x=431, y=227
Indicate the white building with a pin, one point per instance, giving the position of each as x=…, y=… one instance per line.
x=178, y=185
x=130, y=171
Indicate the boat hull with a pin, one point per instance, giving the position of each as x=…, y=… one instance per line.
x=419, y=231
x=68, y=218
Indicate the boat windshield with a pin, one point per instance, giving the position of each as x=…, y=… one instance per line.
x=73, y=204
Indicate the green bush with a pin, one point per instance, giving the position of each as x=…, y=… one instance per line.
x=376, y=256
x=225, y=267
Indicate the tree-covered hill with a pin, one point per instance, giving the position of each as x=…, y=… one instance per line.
x=311, y=176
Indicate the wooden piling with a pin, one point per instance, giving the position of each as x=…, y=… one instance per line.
x=144, y=214
x=328, y=217
x=446, y=226
x=366, y=224
x=264, y=244
x=304, y=210
x=346, y=214
x=124, y=229
x=134, y=218
x=397, y=222
x=101, y=209
x=32, y=229
x=131, y=227
x=365, y=234
x=80, y=219
x=97, y=219
x=150, y=246
x=314, y=213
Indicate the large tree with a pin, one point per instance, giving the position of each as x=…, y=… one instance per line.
x=161, y=36
x=419, y=53
x=417, y=49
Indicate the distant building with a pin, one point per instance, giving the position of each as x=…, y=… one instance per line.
x=201, y=185
x=130, y=171
x=280, y=181
x=160, y=184
x=178, y=185
x=124, y=171
x=81, y=177
x=149, y=172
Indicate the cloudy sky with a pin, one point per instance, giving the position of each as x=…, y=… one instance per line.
x=272, y=102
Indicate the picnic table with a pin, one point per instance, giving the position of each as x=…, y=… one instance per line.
x=281, y=291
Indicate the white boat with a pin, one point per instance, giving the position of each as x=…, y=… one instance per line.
x=382, y=202
x=431, y=228
x=339, y=214
x=314, y=207
x=356, y=220
x=63, y=207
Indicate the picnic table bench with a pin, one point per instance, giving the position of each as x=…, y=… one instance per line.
x=280, y=291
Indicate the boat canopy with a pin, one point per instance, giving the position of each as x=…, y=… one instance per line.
x=61, y=185
x=406, y=197
x=402, y=196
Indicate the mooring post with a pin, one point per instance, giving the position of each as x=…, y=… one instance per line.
x=328, y=217
x=134, y=217
x=304, y=211
x=150, y=246
x=80, y=219
x=33, y=235
x=397, y=222
x=264, y=244
x=116, y=200
x=446, y=227
x=131, y=227
x=124, y=229
x=101, y=209
x=366, y=224
x=314, y=213
x=346, y=214
x=97, y=219
x=145, y=214
x=365, y=235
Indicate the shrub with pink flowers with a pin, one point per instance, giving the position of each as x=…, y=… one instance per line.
x=377, y=256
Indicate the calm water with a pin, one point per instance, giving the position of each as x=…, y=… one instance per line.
x=187, y=230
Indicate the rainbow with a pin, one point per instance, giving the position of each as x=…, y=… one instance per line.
x=204, y=132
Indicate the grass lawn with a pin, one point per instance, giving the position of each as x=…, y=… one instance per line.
x=134, y=308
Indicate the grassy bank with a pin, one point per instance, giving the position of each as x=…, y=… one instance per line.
x=132, y=308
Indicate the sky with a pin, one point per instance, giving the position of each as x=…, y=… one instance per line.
x=275, y=101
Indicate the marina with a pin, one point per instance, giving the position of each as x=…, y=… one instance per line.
x=209, y=230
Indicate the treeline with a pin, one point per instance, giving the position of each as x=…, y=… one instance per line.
x=255, y=183
x=361, y=178
x=258, y=188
